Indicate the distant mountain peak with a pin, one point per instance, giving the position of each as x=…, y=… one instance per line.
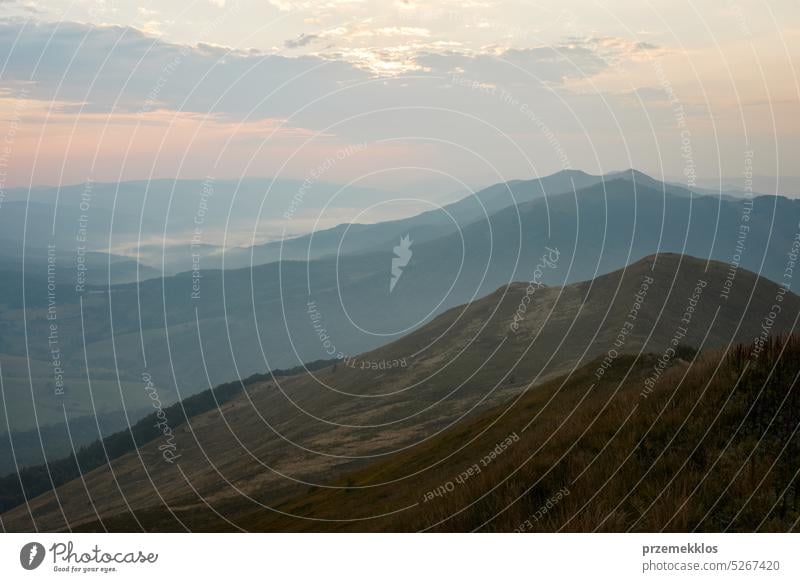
x=632, y=173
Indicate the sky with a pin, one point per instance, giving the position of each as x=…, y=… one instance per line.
x=434, y=97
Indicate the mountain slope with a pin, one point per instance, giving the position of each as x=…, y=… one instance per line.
x=243, y=321
x=712, y=448
x=284, y=435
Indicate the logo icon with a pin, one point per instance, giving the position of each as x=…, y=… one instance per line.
x=31, y=555
x=400, y=260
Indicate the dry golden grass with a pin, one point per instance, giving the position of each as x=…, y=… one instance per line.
x=702, y=452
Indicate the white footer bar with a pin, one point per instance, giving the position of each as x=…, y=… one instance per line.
x=401, y=557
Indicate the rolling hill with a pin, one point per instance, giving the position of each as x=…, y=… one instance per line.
x=711, y=448
x=200, y=328
x=283, y=437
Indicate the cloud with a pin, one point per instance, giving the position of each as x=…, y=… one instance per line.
x=109, y=68
x=113, y=68
x=123, y=71
x=19, y=7
x=282, y=5
x=359, y=34
x=301, y=41
x=541, y=64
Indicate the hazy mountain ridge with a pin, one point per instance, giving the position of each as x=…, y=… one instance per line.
x=244, y=321
x=362, y=238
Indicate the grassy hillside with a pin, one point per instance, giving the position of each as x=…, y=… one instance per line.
x=276, y=439
x=713, y=447
x=70, y=460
